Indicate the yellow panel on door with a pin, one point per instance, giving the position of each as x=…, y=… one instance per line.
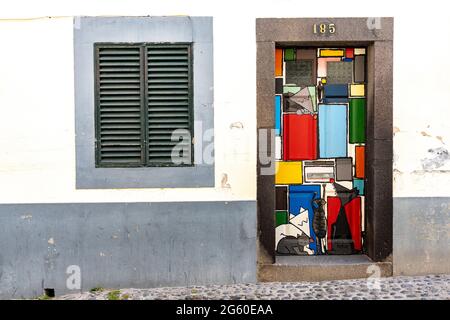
x=331, y=52
x=360, y=51
x=288, y=172
x=357, y=90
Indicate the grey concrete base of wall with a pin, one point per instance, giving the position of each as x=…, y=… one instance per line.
x=322, y=268
x=421, y=236
x=117, y=245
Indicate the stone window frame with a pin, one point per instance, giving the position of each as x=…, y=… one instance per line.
x=90, y=30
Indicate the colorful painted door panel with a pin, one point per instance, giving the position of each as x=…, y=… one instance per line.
x=300, y=137
x=348, y=240
x=357, y=121
x=332, y=130
x=320, y=124
x=277, y=115
x=359, y=161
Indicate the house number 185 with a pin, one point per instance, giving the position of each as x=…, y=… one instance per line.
x=324, y=28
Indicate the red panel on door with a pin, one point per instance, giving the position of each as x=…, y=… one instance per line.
x=353, y=213
x=333, y=205
x=299, y=137
x=349, y=53
x=359, y=162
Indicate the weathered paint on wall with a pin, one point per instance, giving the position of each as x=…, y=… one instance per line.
x=125, y=245
x=421, y=236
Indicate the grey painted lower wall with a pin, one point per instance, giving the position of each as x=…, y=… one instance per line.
x=120, y=245
x=421, y=236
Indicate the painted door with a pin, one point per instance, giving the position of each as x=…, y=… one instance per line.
x=320, y=128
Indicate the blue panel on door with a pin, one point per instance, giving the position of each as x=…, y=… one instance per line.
x=335, y=100
x=359, y=184
x=335, y=90
x=332, y=130
x=301, y=196
x=306, y=188
x=277, y=115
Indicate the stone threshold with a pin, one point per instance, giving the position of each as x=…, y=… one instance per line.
x=321, y=268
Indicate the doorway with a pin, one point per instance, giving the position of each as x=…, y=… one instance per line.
x=320, y=137
x=344, y=176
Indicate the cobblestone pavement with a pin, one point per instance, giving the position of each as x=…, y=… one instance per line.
x=425, y=287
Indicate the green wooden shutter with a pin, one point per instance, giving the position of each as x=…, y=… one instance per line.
x=119, y=100
x=143, y=94
x=169, y=94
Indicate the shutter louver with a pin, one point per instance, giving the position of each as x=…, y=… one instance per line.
x=119, y=100
x=168, y=95
x=143, y=94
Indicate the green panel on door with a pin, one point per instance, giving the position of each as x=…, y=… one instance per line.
x=281, y=218
x=289, y=54
x=357, y=121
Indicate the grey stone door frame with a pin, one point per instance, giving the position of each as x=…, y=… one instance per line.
x=377, y=35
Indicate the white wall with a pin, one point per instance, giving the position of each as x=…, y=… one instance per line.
x=37, y=157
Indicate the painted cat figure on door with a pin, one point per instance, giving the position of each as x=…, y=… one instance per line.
x=294, y=245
